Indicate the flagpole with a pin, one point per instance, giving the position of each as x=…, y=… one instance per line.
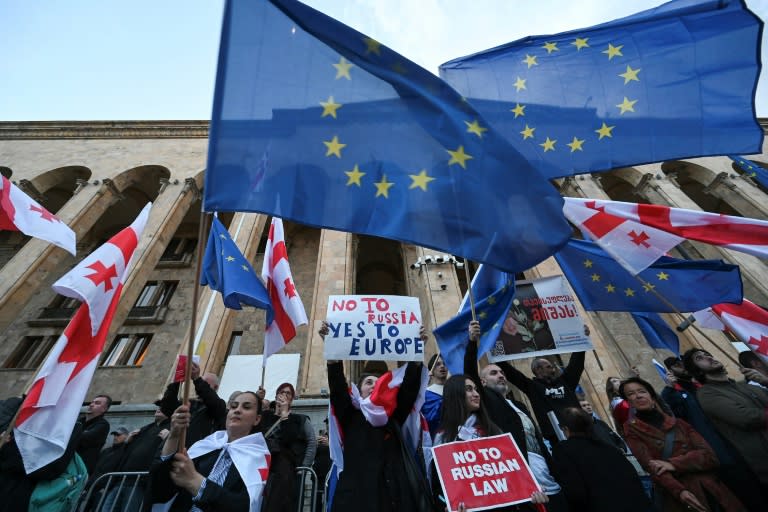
x=652, y=289
x=469, y=290
x=202, y=230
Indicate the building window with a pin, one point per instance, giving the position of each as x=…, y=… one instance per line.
x=234, y=343
x=30, y=352
x=60, y=308
x=179, y=252
x=127, y=350
x=152, y=303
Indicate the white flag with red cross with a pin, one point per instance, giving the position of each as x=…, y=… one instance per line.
x=50, y=409
x=289, y=310
x=19, y=212
x=747, y=321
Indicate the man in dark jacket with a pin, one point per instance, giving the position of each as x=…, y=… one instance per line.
x=95, y=431
x=209, y=411
x=601, y=431
x=594, y=475
x=512, y=417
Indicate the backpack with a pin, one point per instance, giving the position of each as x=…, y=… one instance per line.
x=61, y=493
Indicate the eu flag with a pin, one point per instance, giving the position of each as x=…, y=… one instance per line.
x=657, y=332
x=752, y=170
x=226, y=270
x=603, y=285
x=316, y=123
x=672, y=82
x=493, y=292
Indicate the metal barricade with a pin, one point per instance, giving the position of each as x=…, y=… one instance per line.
x=114, y=492
x=303, y=474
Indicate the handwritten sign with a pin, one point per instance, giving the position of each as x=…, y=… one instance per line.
x=483, y=473
x=381, y=327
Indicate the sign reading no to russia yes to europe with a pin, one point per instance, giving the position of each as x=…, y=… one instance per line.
x=381, y=327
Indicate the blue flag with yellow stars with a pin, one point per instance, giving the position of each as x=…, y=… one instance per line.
x=226, y=270
x=752, y=170
x=316, y=123
x=657, y=332
x=672, y=82
x=493, y=292
x=667, y=286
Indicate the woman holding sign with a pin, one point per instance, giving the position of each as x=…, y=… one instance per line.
x=464, y=418
x=377, y=471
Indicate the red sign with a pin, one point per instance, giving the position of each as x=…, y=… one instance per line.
x=484, y=473
x=181, y=367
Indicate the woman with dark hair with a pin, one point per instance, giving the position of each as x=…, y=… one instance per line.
x=464, y=418
x=374, y=470
x=223, y=471
x=681, y=463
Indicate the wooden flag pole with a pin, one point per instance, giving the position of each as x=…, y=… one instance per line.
x=469, y=290
x=201, y=244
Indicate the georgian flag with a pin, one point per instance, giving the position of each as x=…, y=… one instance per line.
x=633, y=245
x=747, y=321
x=288, y=308
x=50, y=409
x=19, y=212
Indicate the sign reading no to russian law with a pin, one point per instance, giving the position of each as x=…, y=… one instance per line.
x=483, y=473
x=381, y=327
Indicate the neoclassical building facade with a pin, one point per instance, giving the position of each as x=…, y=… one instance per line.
x=97, y=176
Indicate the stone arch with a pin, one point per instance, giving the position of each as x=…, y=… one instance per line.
x=144, y=177
x=696, y=182
x=54, y=188
x=622, y=185
x=6, y=172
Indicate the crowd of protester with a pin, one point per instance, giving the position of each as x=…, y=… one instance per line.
x=700, y=444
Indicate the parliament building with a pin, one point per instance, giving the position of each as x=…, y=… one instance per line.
x=97, y=176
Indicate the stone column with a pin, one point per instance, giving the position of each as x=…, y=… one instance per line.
x=335, y=275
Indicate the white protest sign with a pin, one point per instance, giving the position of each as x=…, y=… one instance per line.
x=380, y=327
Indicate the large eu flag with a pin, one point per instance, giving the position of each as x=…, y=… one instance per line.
x=657, y=332
x=226, y=270
x=316, y=123
x=672, y=82
x=493, y=292
x=603, y=285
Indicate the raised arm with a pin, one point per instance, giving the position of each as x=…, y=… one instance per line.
x=311, y=438
x=574, y=369
x=216, y=406
x=408, y=392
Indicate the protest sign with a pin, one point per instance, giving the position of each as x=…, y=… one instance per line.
x=483, y=473
x=181, y=366
x=382, y=327
x=543, y=320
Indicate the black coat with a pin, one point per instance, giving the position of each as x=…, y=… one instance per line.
x=232, y=496
x=140, y=452
x=596, y=477
x=209, y=411
x=373, y=477
x=95, y=433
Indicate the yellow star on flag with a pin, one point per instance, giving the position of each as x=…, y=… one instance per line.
x=588, y=263
x=605, y=131
x=372, y=46
x=459, y=157
x=342, y=68
x=491, y=300
x=474, y=127
x=613, y=51
x=528, y=132
x=576, y=144
x=530, y=60
x=230, y=258
x=610, y=288
x=354, y=176
x=330, y=107
x=383, y=186
x=398, y=68
x=482, y=315
x=595, y=278
x=648, y=287
x=519, y=110
x=223, y=236
x=630, y=75
x=629, y=292
x=580, y=43
x=420, y=180
x=663, y=276
x=548, y=145
x=519, y=84
x=626, y=106
x=245, y=267
x=334, y=147
x=551, y=47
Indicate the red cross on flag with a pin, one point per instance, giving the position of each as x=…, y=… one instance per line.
x=289, y=310
x=50, y=409
x=748, y=322
x=19, y=212
x=634, y=245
